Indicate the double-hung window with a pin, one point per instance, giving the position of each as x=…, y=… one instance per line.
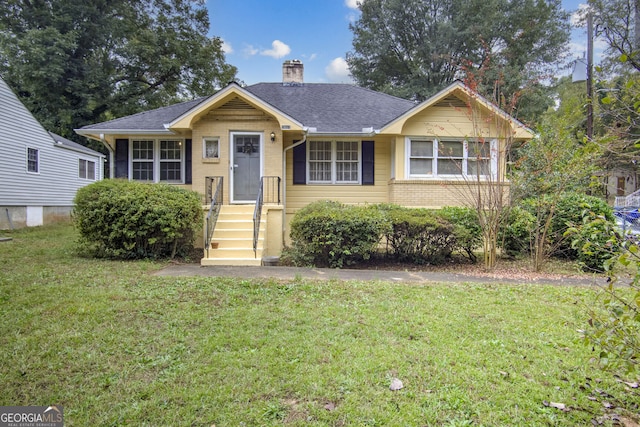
x=33, y=160
x=171, y=161
x=334, y=162
x=448, y=158
x=142, y=160
x=157, y=160
x=87, y=169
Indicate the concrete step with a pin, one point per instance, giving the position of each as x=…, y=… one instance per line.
x=234, y=253
x=232, y=233
x=234, y=242
x=231, y=261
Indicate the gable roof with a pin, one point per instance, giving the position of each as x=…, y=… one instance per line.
x=237, y=97
x=66, y=143
x=458, y=95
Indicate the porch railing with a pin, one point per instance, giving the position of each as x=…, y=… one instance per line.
x=214, y=192
x=268, y=192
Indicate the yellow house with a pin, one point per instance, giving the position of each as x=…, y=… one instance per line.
x=257, y=154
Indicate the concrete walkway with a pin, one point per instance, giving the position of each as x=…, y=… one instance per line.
x=293, y=273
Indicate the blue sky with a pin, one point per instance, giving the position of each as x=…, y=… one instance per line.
x=261, y=34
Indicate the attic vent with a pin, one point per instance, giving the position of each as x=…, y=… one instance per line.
x=236, y=104
x=451, y=101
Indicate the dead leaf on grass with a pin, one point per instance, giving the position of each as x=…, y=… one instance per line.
x=560, y=406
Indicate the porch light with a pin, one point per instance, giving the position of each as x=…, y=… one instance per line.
x=273, y=137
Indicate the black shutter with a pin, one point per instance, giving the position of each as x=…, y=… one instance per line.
x=122, y=158
x=187, y=161
x=368, y=161
x=300, y=164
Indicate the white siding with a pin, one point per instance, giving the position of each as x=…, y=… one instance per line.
x=57, y=181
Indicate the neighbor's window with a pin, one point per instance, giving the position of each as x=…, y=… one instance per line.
x=334, y=162
x=210, y=147
x=157, y=160
x=87, y=169
x=448, y=158
x=33, y=160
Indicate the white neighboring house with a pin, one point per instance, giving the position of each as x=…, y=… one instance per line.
x=40, y=172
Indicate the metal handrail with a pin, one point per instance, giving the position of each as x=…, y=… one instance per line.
x=272, y=192
x=215, y=198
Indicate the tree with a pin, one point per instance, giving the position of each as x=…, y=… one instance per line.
x=558, y=161
x=618, y=22
x=74, y=62
x=413, y=48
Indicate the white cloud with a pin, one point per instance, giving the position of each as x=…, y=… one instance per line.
x=278, y=50
x=226, y=47
x=352, y=4
x=578, y=18
x=249, y=50
x=338, y=71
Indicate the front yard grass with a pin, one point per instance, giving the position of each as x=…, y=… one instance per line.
x=115, y=345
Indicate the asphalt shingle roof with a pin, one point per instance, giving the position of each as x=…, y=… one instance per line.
x=70, y=144
x=152, y=120
x=332, y=107
x=325, y=106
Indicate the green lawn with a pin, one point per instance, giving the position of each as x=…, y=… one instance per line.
x=117, y=346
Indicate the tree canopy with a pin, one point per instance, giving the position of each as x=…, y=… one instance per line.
x=74, y=62
x=413, y=48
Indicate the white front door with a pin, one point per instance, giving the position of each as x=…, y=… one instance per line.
x=246, y=166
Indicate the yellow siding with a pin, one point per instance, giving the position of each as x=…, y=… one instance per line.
x=299, y=196
x=220, y=125
x=453, y=122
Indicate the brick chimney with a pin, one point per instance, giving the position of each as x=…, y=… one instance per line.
x=293, y=71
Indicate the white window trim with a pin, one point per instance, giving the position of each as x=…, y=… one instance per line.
x=156, y=159
x=334, y=162
x=37, y=171
x=95, y=169
x=204, y=146
x=493, y=159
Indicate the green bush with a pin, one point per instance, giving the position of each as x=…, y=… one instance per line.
x=572, y=208
x=419, y=235
x=515, y=235
x=327, y=233
x=569, y=211
x=126, y=219
x=466, y=229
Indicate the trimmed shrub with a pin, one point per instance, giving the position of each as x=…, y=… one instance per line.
x=419, y=235
x=127, y=219
x=466, y=229
x=515, y=236
x=327, y=233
